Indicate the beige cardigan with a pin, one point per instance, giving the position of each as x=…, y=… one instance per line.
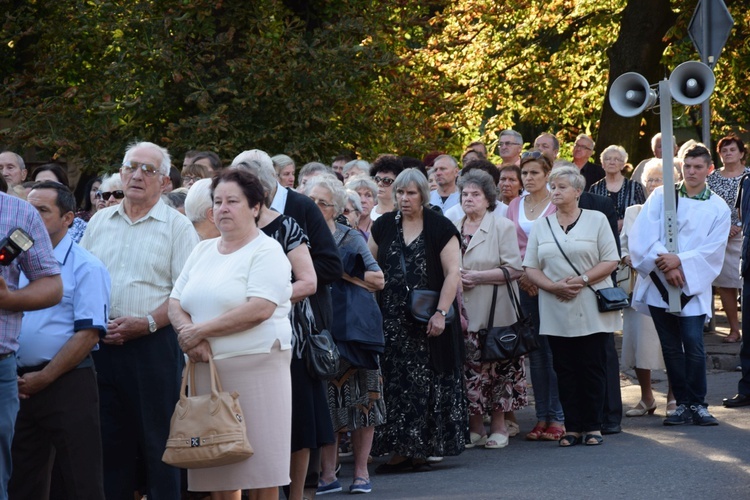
x=493, y=245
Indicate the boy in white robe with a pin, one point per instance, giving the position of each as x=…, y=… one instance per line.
x=703, y=221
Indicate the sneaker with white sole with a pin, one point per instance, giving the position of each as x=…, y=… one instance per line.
x=332, y=487
x=702, y=417
x=682, y=415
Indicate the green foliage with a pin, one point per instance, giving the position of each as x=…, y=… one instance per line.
x=81, y=78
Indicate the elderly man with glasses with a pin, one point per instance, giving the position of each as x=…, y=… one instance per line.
x=144, y=245
x=509, y=147
x=583, y=149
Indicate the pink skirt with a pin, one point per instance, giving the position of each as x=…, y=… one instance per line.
x=263, y=382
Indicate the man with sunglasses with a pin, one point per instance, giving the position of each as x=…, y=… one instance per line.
x=583, y=148
x=144, y=245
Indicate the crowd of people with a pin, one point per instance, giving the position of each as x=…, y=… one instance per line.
x=242, y=263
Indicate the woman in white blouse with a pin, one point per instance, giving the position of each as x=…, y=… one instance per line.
x=232, y=302
x=575, y=329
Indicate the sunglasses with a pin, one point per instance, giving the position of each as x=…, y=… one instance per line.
x=348, y=211
x=117, y=194
x=534, y=155
x=507, y=143
x=131, y=166
x=386, y=181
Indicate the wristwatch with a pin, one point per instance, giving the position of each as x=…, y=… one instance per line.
x=443, y=313
x=585, y=279
x=151, y=324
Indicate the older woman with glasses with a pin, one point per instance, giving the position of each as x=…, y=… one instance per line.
x=368, y=192
x=615, y=185
x=561, y=245
x=384, y=172
x=523, y=211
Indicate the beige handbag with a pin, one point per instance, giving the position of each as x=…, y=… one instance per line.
x=207, y=430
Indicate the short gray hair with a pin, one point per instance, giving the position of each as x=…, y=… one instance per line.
x=334, y=186
x=353, y=197
x=360, y=164
x=280, y=162
x=198, y=200
x=314, y=167
x=254, y=154
x=266, y=176
x=588, y=138
x=412, y=176
x=616, y=149
x=571, y=174
x=483, y=181
x=19, y=159
x=363, y=181
x=453, y=161
x=166, y=160
x=513, y=134
x=110, y=181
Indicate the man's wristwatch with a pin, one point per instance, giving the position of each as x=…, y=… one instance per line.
x=151, y=324
x=585, y=279
x=443, y=313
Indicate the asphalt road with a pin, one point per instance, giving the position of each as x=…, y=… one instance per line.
x=647, y=460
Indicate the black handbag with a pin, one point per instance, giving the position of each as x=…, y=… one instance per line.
x=321, y=355
x=422, y=303
x=506, y=343
x=607, y=299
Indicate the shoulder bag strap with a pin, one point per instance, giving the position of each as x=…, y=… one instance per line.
x=491, y=320
x=401, y=244
x=513, y=297
x=563, y=252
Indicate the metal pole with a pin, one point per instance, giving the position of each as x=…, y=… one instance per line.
x=670, y=203
x=708, y=60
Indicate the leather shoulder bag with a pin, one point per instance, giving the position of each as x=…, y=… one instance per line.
x=207, y=430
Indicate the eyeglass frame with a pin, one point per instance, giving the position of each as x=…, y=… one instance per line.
x=106, y=195
x=502, y=144
x=387, y=181
x=129, y=167
x=322, y=203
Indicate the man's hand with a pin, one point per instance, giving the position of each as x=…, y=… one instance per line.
x=667, y=262
x=675, y=278
x=125, y=329
x=31, y=383
x=200, y=353
x=189, y=337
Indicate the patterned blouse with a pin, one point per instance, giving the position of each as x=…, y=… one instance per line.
x=631, y=193
x=726, y=188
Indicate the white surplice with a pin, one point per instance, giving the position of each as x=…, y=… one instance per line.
x=703, y=229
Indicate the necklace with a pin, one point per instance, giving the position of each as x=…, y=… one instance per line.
x=534, y=207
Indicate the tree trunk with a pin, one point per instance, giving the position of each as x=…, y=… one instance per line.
x=639, y=48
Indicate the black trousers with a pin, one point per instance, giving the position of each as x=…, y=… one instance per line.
x=612, y=415
x=581, y=367
x=60, y=423
x=139, y=385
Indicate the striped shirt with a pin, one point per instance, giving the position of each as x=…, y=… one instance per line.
x=38, y=262
x=143, y=257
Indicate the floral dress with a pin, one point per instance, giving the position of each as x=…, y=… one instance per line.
x=426, y=411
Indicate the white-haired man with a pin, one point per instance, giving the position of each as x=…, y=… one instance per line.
x=144, y=245
x=509, y=147
x=12, y=168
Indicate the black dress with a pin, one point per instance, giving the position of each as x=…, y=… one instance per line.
x=426, y=408
x=311, y=421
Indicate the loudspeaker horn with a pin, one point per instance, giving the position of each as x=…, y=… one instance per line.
x=630, y=95
x=691, y=83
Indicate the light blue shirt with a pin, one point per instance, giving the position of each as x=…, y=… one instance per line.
x=453, y=199
x=85, y=304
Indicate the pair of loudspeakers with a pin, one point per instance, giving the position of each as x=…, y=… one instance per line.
x=691, y=83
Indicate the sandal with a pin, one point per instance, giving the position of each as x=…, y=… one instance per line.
x=593, y=439
x=476, y=440
x=553, y=433
x=732, y=338
x=537, y=431
x=513, y=428
x=500, y=440
x=569, y=440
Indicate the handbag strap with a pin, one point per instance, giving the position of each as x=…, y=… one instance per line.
x=190, y=374
x=491, y=319
x=401, y=244
x=563, y=252
x=513, y=297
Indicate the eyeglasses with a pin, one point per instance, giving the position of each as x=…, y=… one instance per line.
x=191, y=178
x=534, y=155
x=581, y=146
x=386, y=181
x=654, y=181
x=348, y=211
x=607, y=159
x=322, y=203
x=507, y=143
x=117, y=194
x=131, y=166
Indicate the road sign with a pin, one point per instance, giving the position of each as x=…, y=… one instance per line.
x=709, y=29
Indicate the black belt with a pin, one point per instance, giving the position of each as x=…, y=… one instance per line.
x=23, y=370
x=6, y=355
